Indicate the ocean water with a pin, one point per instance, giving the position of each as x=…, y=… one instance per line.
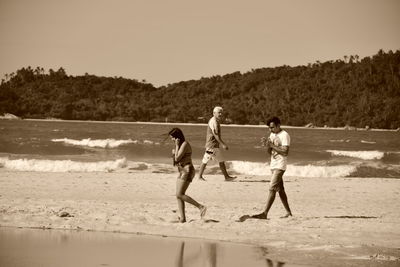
x=68, y=146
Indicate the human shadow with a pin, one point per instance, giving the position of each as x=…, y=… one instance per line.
x=351, y=217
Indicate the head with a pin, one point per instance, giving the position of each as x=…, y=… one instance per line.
x=218, y=113
x=274, y=124
x=176, y=133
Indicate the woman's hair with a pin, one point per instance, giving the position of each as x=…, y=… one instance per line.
x=177, y=133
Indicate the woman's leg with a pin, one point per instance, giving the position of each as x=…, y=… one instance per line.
x=181, y=190
x=181, y=187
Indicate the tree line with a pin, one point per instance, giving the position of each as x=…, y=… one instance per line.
x=349, y=91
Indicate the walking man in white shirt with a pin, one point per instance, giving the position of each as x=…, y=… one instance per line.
x=278, y=146
x=213, y=143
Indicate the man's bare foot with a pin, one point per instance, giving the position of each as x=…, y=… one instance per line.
x=201, y=178
x=262, y=216
x=203, y=211
x=230, y=178
x=286, y=216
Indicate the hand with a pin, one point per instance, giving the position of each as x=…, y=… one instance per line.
x=270, y=143
x=225, y=147
x=177, y=141
x=173, y=151
x=264, y=141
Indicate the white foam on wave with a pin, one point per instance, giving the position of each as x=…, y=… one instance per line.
x=148, y=142
x=366, y=155
x=259, y=168
x=102, y=143
x=320, y=171
x=61, y=165
x=367, y=142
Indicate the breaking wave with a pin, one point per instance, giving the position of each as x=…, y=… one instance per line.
x=61, y=165
x=365, y=155
x=258, y=168
x=102, y=143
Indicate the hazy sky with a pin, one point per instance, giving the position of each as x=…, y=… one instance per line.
x=167, y=41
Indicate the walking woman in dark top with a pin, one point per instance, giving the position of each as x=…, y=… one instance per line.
x=182, y=158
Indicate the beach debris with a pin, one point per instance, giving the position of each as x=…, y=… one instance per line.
x=64, y=214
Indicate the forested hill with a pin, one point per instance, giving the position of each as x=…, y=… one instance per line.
x=348, y=91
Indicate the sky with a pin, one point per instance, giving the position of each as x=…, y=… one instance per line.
x=167, y=41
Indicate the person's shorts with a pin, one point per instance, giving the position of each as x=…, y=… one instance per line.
x=186, y=172
x=276, y=183
x=213, y=154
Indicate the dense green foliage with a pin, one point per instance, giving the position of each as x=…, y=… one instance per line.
x=334, y=93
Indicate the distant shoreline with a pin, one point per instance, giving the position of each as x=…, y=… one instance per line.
x=345, y=128
x=204, y=124
x=351, y=128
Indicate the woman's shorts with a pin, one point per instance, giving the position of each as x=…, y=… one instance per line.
x=186, y=172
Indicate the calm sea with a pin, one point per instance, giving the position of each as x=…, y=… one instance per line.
x=61, y=146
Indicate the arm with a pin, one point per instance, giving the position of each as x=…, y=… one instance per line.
x=214, y=129
x=179, y=151
x=283, y=150
x=218, y=138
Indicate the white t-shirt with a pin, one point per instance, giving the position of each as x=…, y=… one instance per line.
x=279, y=161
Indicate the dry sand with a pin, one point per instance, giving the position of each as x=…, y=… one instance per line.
x=346, y=218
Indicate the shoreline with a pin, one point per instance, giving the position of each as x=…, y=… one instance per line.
x=204, y=124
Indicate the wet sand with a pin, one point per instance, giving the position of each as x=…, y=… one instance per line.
x=350, y=221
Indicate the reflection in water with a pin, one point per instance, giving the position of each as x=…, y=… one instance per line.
x=271, y=263
x=205, y=255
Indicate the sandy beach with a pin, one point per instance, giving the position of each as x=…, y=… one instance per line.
x=346, y=218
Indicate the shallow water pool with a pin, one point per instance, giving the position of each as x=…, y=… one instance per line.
x=48, y=248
